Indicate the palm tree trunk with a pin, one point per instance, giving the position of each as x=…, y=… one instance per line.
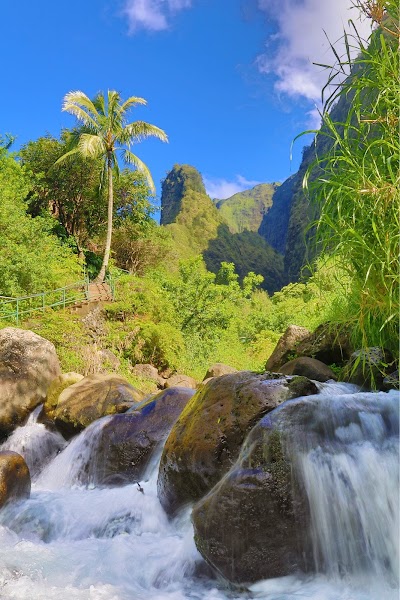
x=102, y=273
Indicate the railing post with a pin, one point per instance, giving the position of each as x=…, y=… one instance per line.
x=17, y=313
x=43, y=301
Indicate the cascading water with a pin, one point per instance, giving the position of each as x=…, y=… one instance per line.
x=72, y=541
x=35, y=442
x=348, y=465
x=77, y=464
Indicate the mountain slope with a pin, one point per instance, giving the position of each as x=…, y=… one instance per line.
x=245, y=210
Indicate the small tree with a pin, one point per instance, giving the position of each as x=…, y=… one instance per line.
x=104, y=133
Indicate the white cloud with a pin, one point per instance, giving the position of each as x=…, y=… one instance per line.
x=153, y=15
x=300, y=41
x=222, y=188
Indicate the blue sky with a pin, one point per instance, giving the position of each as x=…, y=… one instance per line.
x=230, y=81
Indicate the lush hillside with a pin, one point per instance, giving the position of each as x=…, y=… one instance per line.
x=249, y=252
x=175, y=186
x=199, y=226
x=187, y=212
x=245, y=210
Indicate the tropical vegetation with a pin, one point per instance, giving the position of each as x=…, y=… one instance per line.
x=206, y=286
x=104, y=132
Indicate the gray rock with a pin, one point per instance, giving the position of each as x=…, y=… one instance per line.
x=218, y=369
x=91, y=398
x=286, y=344
x=129, y=440
x=178, y=380
x=369, y=367
x=28, y=365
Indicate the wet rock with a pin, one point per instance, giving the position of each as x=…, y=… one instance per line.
x=308, y=367
x=178, y=380
x=368, y=368
x=252, y=525
x=218, y=369
x=91, y=398
x=286, y=345
x=206, y=439
x=15, y=480
x=28, y=365
x=129, y=440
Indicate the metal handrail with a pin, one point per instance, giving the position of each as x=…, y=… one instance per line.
x=65, y=300
x=23, y=304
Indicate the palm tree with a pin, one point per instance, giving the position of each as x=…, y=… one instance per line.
x=104, y=133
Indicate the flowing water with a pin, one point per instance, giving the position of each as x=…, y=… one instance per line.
x=73, y=541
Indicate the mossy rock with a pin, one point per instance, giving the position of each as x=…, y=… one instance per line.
x=91, y=398
x=206, y=439
x=253, y=524
x=56, y=388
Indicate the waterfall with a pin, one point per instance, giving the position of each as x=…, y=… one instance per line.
x=348, y=466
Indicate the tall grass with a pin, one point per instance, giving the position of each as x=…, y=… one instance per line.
x=356, y=182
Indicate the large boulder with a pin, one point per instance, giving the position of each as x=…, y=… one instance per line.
x=282, y=506
x=28, y=365
x=15, y=480
x=128, y=441
x=327, y=344
x=286, y=344
x=206, y=439
x=91, y=398
x=247, y=527
x=308, y=367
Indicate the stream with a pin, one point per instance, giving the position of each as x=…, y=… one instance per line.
x=73, y=541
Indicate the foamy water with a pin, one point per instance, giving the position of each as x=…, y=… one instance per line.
x=71, y=541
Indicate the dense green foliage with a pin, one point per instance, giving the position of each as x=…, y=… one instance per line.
x=199, y=226
x=31, y=259
x=245, y=210
x=198, y=287
x=357, y=182
x=68, y=191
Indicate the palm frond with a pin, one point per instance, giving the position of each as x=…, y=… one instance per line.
x=113, y=99
x=139, y=130
x=67, y=156
x=99, y=103
x=91, y=146
x=129, y=103
x=132, y=159
x=80, y=105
